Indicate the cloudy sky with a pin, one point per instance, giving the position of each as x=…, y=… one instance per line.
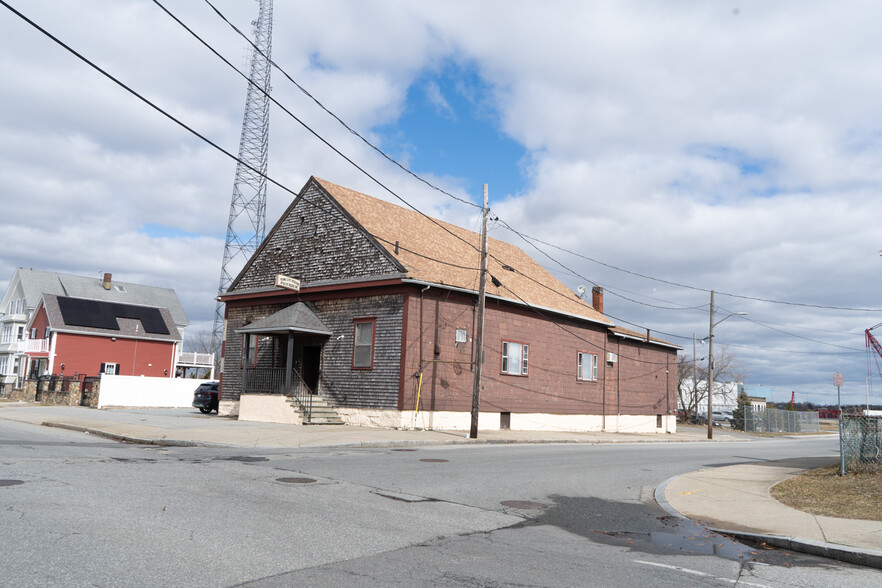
x=665, y=148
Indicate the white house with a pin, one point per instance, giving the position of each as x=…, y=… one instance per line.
x=725, y=395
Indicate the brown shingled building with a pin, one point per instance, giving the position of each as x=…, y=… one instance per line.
x=358, y=310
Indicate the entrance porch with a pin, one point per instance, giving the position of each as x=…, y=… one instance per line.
x=283, y=356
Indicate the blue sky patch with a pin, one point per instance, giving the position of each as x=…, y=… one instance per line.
x=450, y=122
x=158, y=231
x=746, y=164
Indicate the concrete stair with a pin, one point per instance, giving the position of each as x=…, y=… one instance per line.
x=322, y=412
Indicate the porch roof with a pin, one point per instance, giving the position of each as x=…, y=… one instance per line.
x=297, y=317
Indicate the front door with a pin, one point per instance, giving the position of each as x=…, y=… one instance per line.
x=312, y=359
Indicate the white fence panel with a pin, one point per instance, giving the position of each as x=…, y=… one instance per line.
x=144, y=392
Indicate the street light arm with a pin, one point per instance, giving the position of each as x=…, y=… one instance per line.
x=728, y=316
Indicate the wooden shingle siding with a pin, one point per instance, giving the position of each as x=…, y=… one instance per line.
x=314, y=241
x=341, y=385
x=238, y=317
x=362, y=388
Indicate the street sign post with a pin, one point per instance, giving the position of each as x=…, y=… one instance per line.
x=837, y=381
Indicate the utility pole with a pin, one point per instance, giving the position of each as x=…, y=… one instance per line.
x=246, y=225
x=694, y=378
x=710, y=372
x=479, y=335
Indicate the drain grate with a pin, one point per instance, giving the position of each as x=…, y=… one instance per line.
x=295, y=480
x=11, y=482
x=434, y=460
x=402, y=449
x=523, y=504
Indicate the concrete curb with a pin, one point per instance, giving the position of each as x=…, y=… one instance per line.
x=852, y=555
x=845, y=553
x=360, y=444
x=128, y=439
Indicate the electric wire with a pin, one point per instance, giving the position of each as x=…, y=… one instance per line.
x=288, y=190
x=337, y=118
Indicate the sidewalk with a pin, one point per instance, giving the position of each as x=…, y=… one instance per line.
x=187, y=427
x=735, y=500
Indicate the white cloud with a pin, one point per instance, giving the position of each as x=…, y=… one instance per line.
x=739, y=152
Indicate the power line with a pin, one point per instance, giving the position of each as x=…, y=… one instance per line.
x=337, y=118
x=530, y=240
x=525, y=237
x=327, y=143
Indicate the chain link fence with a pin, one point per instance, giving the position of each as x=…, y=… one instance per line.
x=862, y=442
x=775, y=420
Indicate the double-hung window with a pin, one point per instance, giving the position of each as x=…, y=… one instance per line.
x=515, y=357
x=363, y=346
x=250, y=355
x=587, y=367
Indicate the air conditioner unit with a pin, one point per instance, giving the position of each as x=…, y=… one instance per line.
x=611, y=357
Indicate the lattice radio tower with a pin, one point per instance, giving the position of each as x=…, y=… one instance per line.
x=246, y=226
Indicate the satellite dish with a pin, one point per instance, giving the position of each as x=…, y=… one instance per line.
x=581, y=291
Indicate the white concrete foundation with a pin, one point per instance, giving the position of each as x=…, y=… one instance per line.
x=490, y=421
x=268, y=408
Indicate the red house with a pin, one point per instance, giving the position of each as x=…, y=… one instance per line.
x=81, y=336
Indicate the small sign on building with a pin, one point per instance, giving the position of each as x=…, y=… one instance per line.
x=287, y=282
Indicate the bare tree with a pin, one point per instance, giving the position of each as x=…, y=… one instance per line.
x=692, y=377
x=200, y=342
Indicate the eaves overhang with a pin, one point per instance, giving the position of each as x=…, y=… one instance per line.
x=650, y=340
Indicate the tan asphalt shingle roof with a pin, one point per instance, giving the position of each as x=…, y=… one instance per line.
x=435, y=255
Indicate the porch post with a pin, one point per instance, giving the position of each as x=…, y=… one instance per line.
x=289, y=362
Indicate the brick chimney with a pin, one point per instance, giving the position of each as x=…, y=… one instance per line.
x=597, y=298
x=107, y=281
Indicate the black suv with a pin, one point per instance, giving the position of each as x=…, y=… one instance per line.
x=205, y=398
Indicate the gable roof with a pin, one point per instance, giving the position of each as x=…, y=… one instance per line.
x=297, y=317
x=436, y=252
x=35, y=283
x=83, y=315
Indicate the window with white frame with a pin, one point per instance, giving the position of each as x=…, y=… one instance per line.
x=515, y=357
x=587, y=367
x=21, y=333
x=3, y=364
x=46, y=332
x=111, y=369
x=7, y=334
x=33, y=332
x=363, y=347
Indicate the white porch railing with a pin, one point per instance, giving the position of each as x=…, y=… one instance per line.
x=193, y=359
x=37, y=346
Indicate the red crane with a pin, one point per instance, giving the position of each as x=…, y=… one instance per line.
x=873, y=343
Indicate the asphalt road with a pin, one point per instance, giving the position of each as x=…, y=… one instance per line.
x=81, y=511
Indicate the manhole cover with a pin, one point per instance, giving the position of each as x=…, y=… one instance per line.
x=11, y=482
x=404, y=449
x=523, y=504
x=433, y=460
x=295, y=480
